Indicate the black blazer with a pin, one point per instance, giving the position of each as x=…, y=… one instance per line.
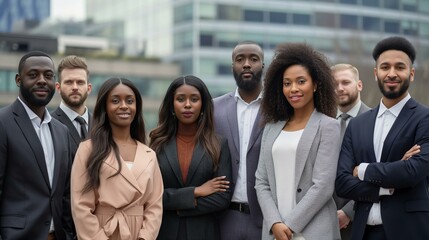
x=27, y=201
x=405, y=213
x=178, y=200
x=61, y=116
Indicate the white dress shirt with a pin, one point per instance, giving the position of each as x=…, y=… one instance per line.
x=45, y=137
x=353, y=112
x=246, y=116
x=383, y=123
x=71, y=114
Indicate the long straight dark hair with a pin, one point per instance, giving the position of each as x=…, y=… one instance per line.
x=167, y=122
x=101, y=131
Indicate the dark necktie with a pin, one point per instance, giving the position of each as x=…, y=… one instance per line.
x=83, y=131
x=343, y=121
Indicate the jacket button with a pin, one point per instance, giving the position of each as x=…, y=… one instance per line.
x=299, y=190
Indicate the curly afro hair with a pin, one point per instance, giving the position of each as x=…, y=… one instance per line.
x=274, y=105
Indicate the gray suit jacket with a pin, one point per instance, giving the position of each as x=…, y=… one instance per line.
x=27, y=201
x=342, y=203
x=315, y=213
x=226, y=125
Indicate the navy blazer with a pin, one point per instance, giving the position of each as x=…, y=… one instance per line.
x=61, y=116
x=27, y=201
x=180, y=208
x=405, y=213
x=226, y=125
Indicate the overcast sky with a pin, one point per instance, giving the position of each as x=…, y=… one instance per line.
x=68, y=9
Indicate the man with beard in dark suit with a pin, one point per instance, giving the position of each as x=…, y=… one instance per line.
x=35, y=159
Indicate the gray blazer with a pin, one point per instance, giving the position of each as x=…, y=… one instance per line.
x=226, y=125
x=346, y=204
x=315, y=214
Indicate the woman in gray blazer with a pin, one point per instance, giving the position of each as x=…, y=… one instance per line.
x=300, y=147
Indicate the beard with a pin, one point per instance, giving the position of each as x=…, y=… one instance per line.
x=74, y=103
x=33, y=100
x=351, y=99
x=250, y=84
x=391, y=93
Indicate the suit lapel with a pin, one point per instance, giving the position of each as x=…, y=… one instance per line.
x=368, y=132
x=303, y=149
x=125, y=172
x=256, y=131
x=400, y=122
x=170, y=151
x=58, y=156
x=21, y=117
x=141, y=160
x=233, y=121
x=197, y=157
x=63, y=118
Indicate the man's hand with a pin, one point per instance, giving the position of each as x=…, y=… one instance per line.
x=355, y=171
x=343, y=219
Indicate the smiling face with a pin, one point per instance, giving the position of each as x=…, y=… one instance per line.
x=298, y=88
x=187, y=104
x=121, y=106
x=36, y=81
x=394, y=72
x=74, y=87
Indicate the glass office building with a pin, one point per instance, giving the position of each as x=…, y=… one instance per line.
x=200, y=34
x=12, y=11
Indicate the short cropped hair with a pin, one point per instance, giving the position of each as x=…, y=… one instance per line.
x=31, y=54
x=346, y=66
x=72, y=62
x=394, y=43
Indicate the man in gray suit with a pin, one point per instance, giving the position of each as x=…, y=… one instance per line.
x=237, y=118
x=35, y=159
x=73, y=86
x=350, y=105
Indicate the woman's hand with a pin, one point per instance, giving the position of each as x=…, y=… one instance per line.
x=217, y=184
x=413, y=151
x=281, y=231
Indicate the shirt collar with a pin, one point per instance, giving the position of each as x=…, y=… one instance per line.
x=395, y=109
x=238, y=97
x=33, y=117
x=353, y=112
x=72, y=114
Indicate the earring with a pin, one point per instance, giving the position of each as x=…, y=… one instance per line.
x=202, y=114
x=173, y=114
x=314, y=90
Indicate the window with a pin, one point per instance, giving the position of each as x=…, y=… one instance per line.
x=324, y=20
x=223, y=69
x=183, y=13
x=371, y=3
x=371, y=24
x=349, y=21
x=253, y=16
x=206, y=40
x=391, y=4
x=410, y=28
x=278, y=17
x=349, y=1
x=409, y=5
x=301, y=19
x=228, y=12
x=391, y=26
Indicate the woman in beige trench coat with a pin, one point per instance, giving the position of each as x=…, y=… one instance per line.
x=116, y=184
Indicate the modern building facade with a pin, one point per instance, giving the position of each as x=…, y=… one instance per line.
x=12, y=11
x=199, y=34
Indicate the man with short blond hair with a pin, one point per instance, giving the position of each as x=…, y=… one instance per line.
x=350, y=105
x=73, y=85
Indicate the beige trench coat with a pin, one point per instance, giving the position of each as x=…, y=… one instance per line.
x=127, y=206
